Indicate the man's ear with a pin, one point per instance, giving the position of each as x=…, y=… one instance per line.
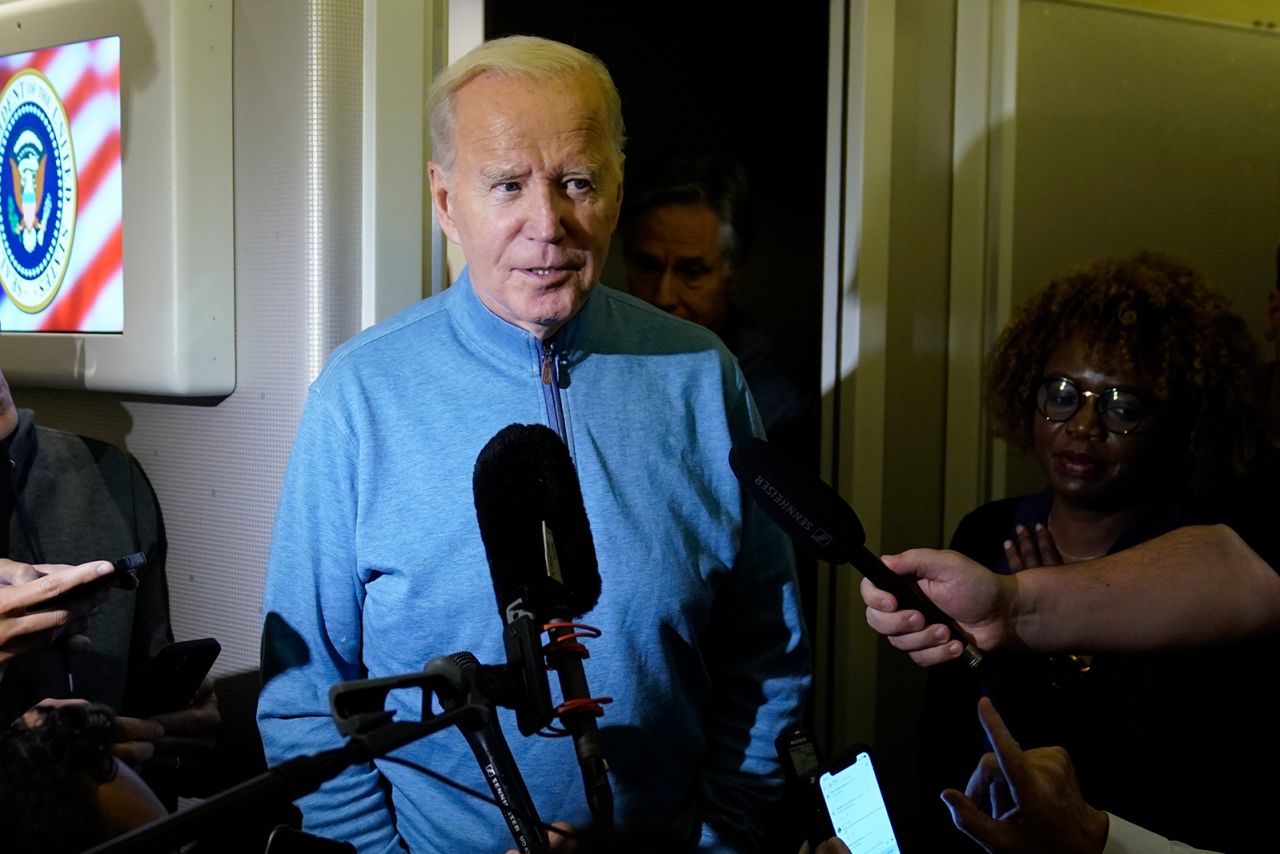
x=440, y=200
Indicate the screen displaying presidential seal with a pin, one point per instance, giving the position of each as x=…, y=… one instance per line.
x=60, y=190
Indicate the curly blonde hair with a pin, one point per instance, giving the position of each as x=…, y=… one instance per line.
x=1151, y=315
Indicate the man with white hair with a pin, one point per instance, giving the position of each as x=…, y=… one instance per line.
x=377, y=564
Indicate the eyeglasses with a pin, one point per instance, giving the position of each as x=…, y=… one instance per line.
x=1058, y=399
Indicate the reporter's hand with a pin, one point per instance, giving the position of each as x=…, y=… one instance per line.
x=188, y=732
x=834, y=845
x=136, y=740
x=23, y=587
x=558, y=843
x=1025, y=802
x=977, y=599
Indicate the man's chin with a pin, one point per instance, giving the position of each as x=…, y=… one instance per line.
x=550, y=317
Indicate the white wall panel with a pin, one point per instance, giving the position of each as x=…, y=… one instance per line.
x=217, y=464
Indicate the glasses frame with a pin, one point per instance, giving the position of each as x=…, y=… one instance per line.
x=1099, y=404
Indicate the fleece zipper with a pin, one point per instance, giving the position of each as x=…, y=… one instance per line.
x=550, y=358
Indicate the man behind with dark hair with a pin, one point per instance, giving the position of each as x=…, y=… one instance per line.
x=687, y=229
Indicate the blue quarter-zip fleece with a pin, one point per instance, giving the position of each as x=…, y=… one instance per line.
x=377, y=566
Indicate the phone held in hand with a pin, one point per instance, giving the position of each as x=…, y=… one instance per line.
x=124, y=575
x=176, y=673
x=852, y=803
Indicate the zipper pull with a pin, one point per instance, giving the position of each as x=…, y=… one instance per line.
x=548, y=363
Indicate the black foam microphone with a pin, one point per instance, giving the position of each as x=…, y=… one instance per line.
x=824, y=525
x=491, y=751
x=543, y=564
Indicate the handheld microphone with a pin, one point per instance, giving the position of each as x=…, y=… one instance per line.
x=822, y=523
x=491, y=751
x=542, y=561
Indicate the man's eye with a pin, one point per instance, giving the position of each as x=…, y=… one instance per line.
x=579, y=185
x=507, y=187
x=693, y=271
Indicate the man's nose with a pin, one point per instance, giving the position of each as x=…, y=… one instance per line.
x=667, y=292
x=544, y=218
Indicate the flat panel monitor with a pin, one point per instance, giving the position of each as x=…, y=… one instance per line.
x=116, y=212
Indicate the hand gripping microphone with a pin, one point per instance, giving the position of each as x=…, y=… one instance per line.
x=491, y=751
x=818, y=520
x=543, y=564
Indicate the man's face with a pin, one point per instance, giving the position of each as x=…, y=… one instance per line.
x=674, y=261
x=8, y=410
x=533, y=195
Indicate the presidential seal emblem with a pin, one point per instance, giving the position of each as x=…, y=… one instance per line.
x=37, y=190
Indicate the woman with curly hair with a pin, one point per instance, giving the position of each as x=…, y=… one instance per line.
x=1130, y=382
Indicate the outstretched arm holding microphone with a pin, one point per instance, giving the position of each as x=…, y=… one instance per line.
x=1192, y=586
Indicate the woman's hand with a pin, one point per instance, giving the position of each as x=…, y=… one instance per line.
x=1031, y=550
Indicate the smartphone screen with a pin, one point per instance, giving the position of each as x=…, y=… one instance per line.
x=857, y=809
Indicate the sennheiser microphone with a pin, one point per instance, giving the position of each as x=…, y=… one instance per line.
x=824, y=525
x=491, y=751
x=543, y=564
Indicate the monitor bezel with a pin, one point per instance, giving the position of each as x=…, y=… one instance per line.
x=178, y=232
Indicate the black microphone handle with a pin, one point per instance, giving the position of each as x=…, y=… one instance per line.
x=910, y=599
x=492, y=752
x=507, y=784
x=586, y=735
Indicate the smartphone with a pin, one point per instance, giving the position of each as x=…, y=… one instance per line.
x=176, y=673
x=124, y=574
x=853, y=804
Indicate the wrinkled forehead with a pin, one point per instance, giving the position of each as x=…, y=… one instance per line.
x=498, y=112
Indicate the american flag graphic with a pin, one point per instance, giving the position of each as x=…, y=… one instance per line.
x=86, y=77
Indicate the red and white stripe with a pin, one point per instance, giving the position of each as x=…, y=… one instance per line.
x=87, y=78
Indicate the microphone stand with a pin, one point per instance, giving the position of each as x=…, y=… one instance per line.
x=357, y=708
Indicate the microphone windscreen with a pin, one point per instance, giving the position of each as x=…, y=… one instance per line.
x=807, y=509
x=524, y=477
